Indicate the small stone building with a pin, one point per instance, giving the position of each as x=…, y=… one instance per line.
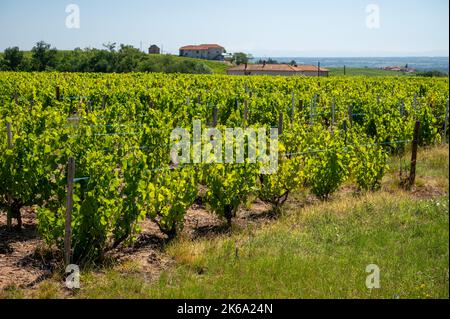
x=154, y=49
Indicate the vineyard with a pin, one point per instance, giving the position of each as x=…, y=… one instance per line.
x=117, y=131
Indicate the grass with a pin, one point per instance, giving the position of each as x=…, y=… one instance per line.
x=432, y=170
x=319, y=251
x=365, y=72
x=217, y=67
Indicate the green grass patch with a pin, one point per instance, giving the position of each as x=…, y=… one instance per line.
x=318, y=252
x=217, y=67
x=432, y=175
x=365, y=72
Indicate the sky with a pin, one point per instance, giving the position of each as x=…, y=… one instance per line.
x=278, y=28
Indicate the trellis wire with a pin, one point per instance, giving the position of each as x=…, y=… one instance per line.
x=161, y=169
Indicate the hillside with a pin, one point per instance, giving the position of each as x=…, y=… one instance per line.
x=122, y=60
x=129, y=59
x=217, y=67
x=365, y=72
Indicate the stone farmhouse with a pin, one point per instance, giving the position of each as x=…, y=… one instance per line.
x=203, y=51
x=278, y=69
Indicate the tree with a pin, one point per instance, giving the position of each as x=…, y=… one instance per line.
x=293, y=62
x=110, y=46
x=431, y=74
x=128, y=58
x=240, y=58
x=269, y=61
x=12, y=58
x=43, y=56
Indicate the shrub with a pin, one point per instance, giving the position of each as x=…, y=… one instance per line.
x=168, y=196
x=370, y=166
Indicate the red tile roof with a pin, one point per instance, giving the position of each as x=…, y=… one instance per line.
x=201, y=47
x=277, y=68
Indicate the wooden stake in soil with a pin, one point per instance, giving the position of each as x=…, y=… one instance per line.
x=350, y=115
x=9, y=134
x=332, y=115
x=58, y=94
x=103, y=101
x=245, y=113
x=344, y=126
x=280, y=123
x=69, y=207
x=293, y=107
x=412, y=173
x=444, y=137
x=215, y=116
x=300, y=106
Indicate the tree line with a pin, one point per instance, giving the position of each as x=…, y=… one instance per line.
x=110, y=59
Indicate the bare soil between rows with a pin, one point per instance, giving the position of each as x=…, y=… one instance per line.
x=25, y=261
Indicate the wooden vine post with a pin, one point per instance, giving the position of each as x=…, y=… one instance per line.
x=344, y=127
x=350, y=115
x=300, y=106
x=293, y=107
x=58, y=94
x=10, y=145
x=215, y=116
x=333, y=115
x=280, y=123
x=69, y=208
x=444, y=135
x=415, y=107
x=245, y=112
x=415, y=143
x=16, y=97
x=9, y=134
